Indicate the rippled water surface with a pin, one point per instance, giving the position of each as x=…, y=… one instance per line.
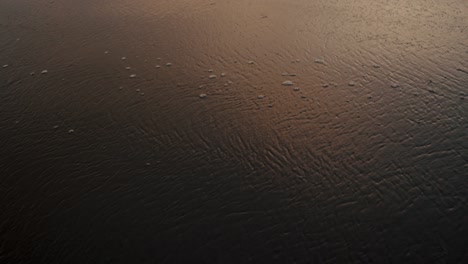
x=165, y=131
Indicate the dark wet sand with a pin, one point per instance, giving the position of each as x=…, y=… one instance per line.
x=365, y=162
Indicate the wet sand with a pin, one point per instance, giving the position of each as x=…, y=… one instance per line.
x=264, y=131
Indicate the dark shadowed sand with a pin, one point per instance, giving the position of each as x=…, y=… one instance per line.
x=222, y=131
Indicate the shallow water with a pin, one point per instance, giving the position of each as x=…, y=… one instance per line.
x=128, y=150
